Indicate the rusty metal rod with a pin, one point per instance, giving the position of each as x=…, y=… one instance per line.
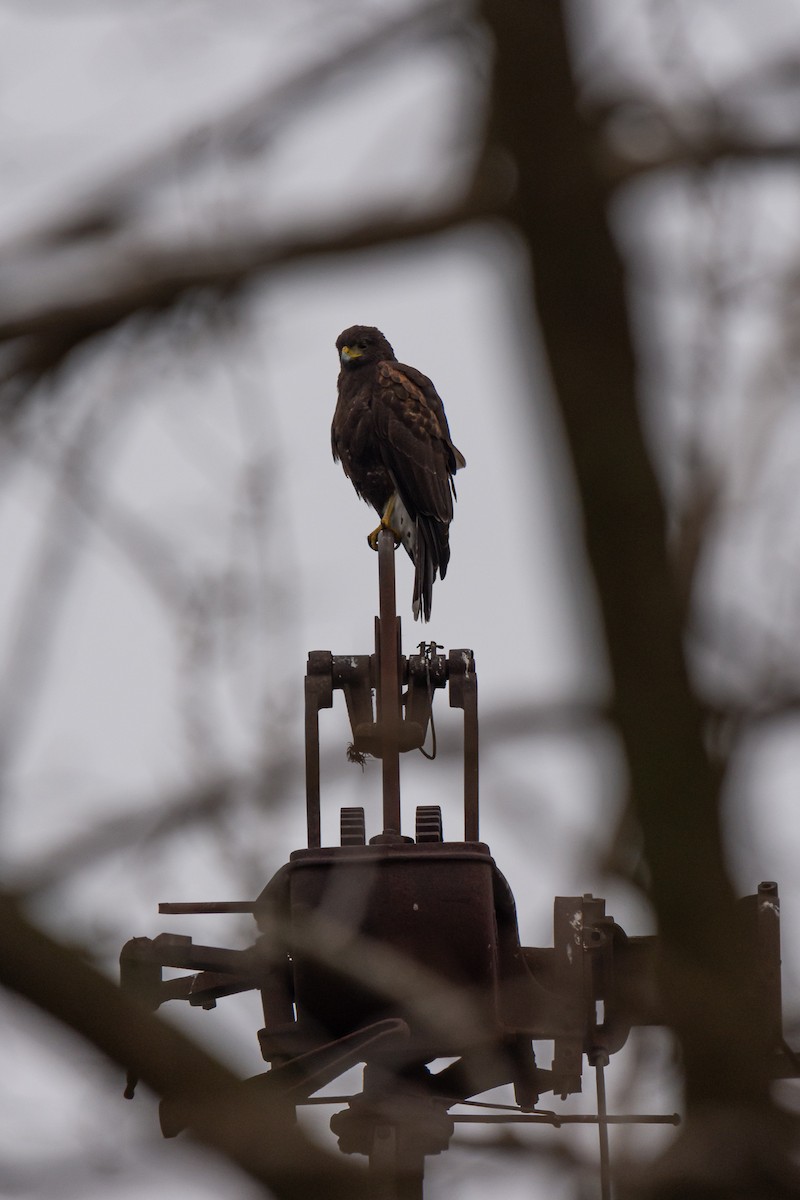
x=600, y=1060
x=471, y=817
x=538, y=1118
x=313, y=816
x=555, y=1121
x=208, y=906
x=389, y=708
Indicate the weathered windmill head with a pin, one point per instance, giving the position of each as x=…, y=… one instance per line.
x=399, y=951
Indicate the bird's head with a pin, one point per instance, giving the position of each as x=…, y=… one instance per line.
x=362, y=344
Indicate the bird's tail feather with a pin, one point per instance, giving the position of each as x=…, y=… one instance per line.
x=431, y=553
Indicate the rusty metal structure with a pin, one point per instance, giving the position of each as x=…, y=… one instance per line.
x=396, y=951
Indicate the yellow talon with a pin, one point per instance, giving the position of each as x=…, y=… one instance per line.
x=372, y=538
x=386, y=520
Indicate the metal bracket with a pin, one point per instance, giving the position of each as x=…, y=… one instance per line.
x=399, y=720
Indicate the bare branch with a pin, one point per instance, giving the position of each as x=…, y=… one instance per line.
x=683, y=154
x=245, y=128
x=579, y=287
x=88, y=270
x=47, y=310
x=252, y=1129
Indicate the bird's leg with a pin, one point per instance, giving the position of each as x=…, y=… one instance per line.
x=386, y=523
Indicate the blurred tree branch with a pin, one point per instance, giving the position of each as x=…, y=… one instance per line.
x=579, y=287
x=246, y=127
x=671, y=152
x=94, y=268
x=109, y=282
x=85, y=272
x=250, y=1128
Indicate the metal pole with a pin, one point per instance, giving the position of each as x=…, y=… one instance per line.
x=389, y=710
x=599, y=1059
x=313, y=817
x=391, y=1177
x=319, y=694
x=471, y=831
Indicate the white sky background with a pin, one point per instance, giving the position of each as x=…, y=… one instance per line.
x=140, y=700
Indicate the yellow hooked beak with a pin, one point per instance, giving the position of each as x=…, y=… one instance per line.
x=351, y=352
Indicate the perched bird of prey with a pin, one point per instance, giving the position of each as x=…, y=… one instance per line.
x=391, y=435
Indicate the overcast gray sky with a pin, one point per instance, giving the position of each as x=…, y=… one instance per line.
x=140, y=700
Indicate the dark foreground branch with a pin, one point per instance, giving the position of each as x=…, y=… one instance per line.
x=251, y=1130
x=579, y=288
x=48, y=307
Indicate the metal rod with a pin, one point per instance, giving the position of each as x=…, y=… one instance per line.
x=539, y=1118
x=392, y=1176
x=209, y=906
x=600, y=1059
x=553, y=1119
x=319, y=694
x=471, y=819
x=389, y=711
x=410, y=1184
x=312, y=765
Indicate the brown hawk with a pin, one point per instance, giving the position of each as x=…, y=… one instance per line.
x=391, y=435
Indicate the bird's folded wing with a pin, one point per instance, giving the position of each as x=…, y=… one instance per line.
x=414, y=440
